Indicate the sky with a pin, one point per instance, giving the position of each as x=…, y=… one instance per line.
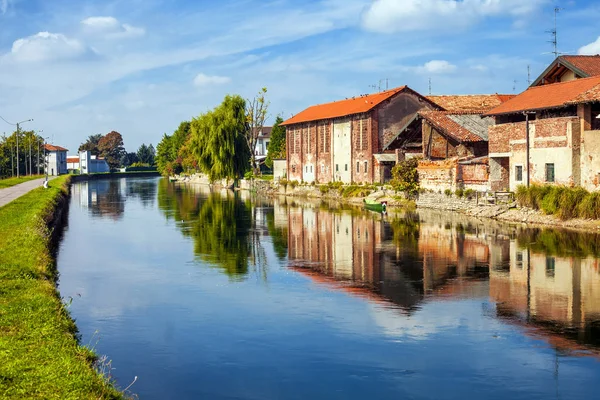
x=140, y=67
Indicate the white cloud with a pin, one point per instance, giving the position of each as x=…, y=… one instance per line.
x=46, y=46
x=110, y=27
x=205, y=80
x=438, y=67
x=390, y=16
x=591, y=49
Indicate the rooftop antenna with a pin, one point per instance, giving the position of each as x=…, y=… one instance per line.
x=554, y=33
x=430, y=86
x=374, y=87
x=515, y=86
x=529, y=75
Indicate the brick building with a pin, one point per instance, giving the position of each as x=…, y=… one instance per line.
x=564, y=136
x=353, y=140
x=567, y=68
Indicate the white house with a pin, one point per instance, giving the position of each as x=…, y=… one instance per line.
x=262, y=142
x=90, y=164
x=56, y=159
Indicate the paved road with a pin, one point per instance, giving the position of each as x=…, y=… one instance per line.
x=9, y=194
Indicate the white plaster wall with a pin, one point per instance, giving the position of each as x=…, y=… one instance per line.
x=279, y=169
x=342, y=152
x=342, y=246
x=590, y=160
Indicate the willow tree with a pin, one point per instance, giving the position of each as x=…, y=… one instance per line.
x=218, y=142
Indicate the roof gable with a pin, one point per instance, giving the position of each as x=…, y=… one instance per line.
x=581, y=66
x=555, y=95
x=463, y=127
x=342, y=108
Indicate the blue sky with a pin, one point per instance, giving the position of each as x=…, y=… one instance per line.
x=142, y=66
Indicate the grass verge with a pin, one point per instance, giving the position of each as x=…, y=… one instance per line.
x=8, y=182
x=561, y=201
x=40, y=357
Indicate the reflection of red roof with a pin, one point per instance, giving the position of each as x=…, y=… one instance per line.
x=72, y=159
x=471, y=102
x=341, y=108
x=552, y=96
x=51, y=147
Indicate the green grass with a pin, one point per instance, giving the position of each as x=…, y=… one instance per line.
x=561, y=201
x=265, y=177
x=8, y=182
x=40, y=357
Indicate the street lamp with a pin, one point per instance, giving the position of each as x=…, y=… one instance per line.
x=38, y=150
x=18, y=125
x=46, y=162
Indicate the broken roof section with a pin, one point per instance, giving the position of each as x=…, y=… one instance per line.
x=556, y=95
x=580, y=66
x=463, y=127
x=470, y=103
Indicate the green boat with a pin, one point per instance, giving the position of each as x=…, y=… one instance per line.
x=375, y=205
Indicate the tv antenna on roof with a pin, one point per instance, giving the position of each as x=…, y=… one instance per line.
x=515, y=86
x=554, y=33
x=430, y=86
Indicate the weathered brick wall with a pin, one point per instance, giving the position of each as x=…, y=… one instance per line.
x=473, y=173
x=437, y=175
x=500, y=136
x=499, y=175
x=324, y=157
x=435, y=145
x=362, y=149
x=294, y=155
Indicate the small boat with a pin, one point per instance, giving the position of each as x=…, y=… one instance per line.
x=375, y=205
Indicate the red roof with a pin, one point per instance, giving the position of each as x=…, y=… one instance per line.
x=471, y=102
x=342, y=108
x=441, y=120
x=73, y=159
x=587, y=64
x=555, y=95
x=51, y=147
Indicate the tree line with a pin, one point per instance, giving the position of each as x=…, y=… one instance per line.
x=27, y=158
x=221, y=142
x=111, y=148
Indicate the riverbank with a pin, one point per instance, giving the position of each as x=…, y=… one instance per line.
x=40, y=356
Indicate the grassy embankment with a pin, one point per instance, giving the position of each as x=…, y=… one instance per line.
x=40, y=357
x=563, y=202
x=8, y=182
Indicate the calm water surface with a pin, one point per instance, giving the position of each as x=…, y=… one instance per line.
x=219, y=295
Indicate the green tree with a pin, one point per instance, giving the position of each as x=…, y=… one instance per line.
x=146, y=154
x=111, y=148
x=257, y=111
x=218, y=140
x=91, y=144
x=405, y=177
x=168, y=149
x=276, y=148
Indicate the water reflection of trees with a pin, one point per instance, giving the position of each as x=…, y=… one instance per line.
x=224, y=228
x=143, y=190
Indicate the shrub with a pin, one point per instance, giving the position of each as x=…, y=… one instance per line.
x=405, y=177
x=590, y=206
x=249, y=175
x=283, y=182
x=469, y=193
x=448, y=192
x=293, y=183
x=569, y=201
x=323, y=189
x=550, y=202
x=459, y=193
x=335, y=185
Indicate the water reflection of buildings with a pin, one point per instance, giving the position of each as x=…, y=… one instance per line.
x=415, y=258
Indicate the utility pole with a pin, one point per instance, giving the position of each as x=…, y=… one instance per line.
x=37, y=141
x=18, y=125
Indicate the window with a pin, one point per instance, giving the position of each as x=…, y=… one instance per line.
x=549, y=172
x=311, y=169
x=519, y=262
x=550, y=266
x=322, y=169
x=366, y=167
x=357, y=166
x=519, y=173
x=337, y=168
x=345, y=167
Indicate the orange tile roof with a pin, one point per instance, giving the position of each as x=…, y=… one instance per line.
x=441, y=120
x=472, y=102
x=51, y=147
x=342, y=108
x=587, y=64
x=552, y=96
x=73, y=159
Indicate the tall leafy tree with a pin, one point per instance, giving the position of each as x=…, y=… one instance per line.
x=218, y=140
x=146, y=154
x=91, y=144
x=276, y=147
x=111, y=148
x=168, y=159
x=257, y=111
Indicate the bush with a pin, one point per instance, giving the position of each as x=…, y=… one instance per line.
x=324, y=189
x=293, y=184
x=590, y=206
x=335, y=185
x=469, y=193
x=283, y=182
x=448, y=192
x=459, y=193
x=405, y=177
x=561, y=201
x=249, y=175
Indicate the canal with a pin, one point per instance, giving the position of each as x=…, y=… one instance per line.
x=223, y=295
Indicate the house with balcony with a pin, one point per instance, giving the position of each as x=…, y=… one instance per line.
x=549, y=134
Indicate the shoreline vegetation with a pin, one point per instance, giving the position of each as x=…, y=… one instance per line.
x=9, y=182
x=40, y=356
